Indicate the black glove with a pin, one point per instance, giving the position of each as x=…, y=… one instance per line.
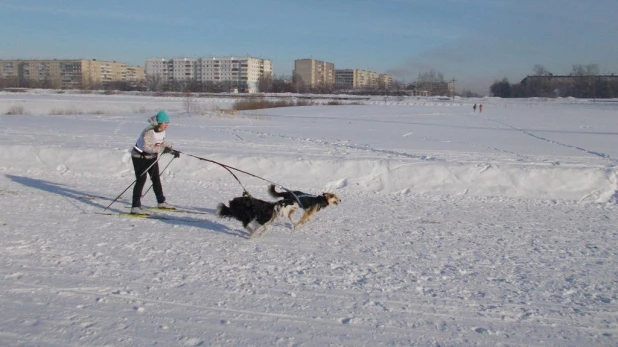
x=173, y=152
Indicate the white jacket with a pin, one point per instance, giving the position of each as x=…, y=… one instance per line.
x=150, y=143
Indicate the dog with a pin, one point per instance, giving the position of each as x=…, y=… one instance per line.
x=256, y=214
x=311, y=204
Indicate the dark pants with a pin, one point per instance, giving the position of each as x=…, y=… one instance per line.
x=140, y=165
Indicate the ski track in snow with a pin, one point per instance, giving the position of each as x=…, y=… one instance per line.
x=611, y=159
x=381, y=268
x=336, y=146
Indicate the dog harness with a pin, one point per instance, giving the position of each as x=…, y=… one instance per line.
x=297, y=197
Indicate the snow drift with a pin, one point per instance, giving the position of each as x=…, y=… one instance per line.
x=590, y=184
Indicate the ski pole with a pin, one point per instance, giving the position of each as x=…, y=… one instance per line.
x=160, y=173
x=142, y=174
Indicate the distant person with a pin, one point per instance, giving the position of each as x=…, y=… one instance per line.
x=474, y=108
x=145, y=155
x=480, y=108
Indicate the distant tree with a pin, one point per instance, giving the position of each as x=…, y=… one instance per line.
x=593, y=69
x=265, y=84
x=432, y=81
x=299, y=84
x=585, y=84
x=518, y=91
x=540, y=70
x=397, y=85
x=117, y=85
x=193, y=86
x=24, y=82
x=45, y=83
x=432, y=76
x=283, y=84
x=585, y=70
x=208, y=87
x=154, y=83
x=578, y=70
x=469, y=94
x=10, y=81
x=501, y=88
x=323, y=88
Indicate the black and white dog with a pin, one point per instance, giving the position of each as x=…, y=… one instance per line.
x=255, y=214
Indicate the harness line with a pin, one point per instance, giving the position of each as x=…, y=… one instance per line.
x=230, y=168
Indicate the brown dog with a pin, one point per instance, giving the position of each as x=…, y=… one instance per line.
x=310, y=203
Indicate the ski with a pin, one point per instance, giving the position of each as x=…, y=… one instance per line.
x=147, y=216
x=176, y=210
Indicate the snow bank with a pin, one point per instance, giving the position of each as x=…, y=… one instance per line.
x=531, y=181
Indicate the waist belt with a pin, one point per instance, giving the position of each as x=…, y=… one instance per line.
x=136, y=152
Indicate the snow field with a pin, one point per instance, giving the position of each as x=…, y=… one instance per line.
x=443, y=236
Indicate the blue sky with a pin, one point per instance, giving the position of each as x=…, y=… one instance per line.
x=473, y=41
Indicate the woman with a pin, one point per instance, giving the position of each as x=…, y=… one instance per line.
x=145, y=155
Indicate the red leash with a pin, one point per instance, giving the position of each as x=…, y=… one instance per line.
x=229, y=169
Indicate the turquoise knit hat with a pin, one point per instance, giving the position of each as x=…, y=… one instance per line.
x=162, y=117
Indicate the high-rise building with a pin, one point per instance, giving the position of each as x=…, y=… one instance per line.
x=385, y=81
x=359, y=79
x=239, y=72
x=135, y=75
x=314, y=72
x=68, y=73
x=346, y=78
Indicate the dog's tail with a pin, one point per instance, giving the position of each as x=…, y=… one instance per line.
x=223, y=211
x=274, y=193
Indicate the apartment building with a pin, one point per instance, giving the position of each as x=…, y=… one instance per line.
x=240, y=72
x=346, y=78
x=361, y=79
x=135, y=75
x=385, y=81
x=314, y=72
x=67, y=74
x=369, y=79
x=433, y=88
x=174, y=69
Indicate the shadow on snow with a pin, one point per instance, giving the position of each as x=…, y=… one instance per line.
x=80, y=198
